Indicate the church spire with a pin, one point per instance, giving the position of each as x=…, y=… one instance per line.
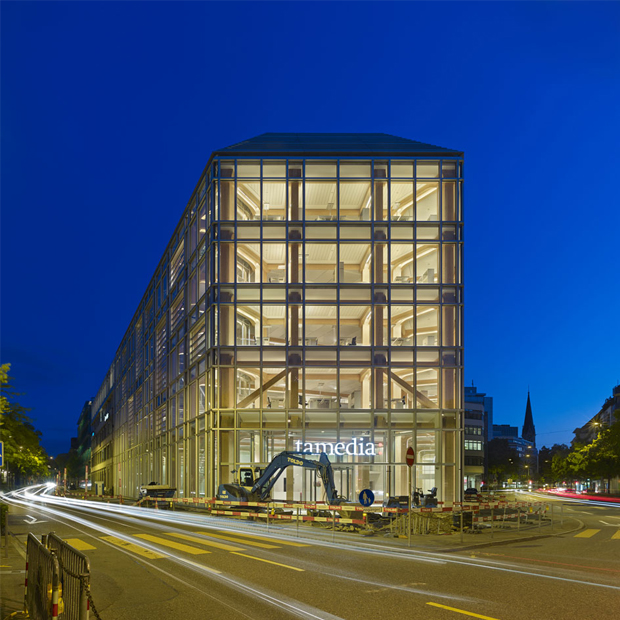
x=529, y=432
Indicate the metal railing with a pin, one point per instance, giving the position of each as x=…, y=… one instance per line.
x=42, y=586
x=75, y=577
x=57, y=581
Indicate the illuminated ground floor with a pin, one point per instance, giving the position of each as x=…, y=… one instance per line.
x=196, y=460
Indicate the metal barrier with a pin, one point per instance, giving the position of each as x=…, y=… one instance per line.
x=75, y=577
x=42, y=585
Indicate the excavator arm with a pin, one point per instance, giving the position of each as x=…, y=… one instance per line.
x=262, y=487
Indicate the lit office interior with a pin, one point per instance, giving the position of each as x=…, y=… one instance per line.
x=338, y=317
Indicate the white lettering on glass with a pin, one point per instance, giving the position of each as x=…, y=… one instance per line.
x=357, y=447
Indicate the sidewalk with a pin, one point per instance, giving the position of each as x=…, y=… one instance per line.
x=12, y=568
x=500, y=534
x=487, y=537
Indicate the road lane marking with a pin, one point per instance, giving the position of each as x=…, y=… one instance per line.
x=460, y=611
x=616, y=536
x=253, y=557
x=587, y=533
x=78, y=544
x=127, y=546
x=203, y=541
x=171, y=543
x=268, y=539
x=251, y=543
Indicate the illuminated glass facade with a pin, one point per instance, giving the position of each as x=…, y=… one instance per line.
x=310, y=298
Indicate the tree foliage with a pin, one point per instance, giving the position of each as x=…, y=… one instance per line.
x=550, y=461
x=598, y=460
x=23, y=452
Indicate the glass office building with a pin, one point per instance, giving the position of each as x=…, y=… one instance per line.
x=310, y=299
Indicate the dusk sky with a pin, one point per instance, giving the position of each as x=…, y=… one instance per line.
x=110, y=110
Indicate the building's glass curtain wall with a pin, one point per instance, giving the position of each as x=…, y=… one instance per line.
x=304, y=303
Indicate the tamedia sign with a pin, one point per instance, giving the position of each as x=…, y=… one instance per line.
x=357, y=447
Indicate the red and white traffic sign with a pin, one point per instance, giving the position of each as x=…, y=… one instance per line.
x=410, y=456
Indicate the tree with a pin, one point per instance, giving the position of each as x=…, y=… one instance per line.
x=503, y=460
x=598, y=460
x=546, y=460
x=24, y=455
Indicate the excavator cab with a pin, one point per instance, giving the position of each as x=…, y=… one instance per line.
x=248, y=476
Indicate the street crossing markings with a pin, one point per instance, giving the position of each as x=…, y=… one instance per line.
x=460, y=611
x=587, y=533
x=204, y=541
x=268, y=539
x=253, y=557
x=616, y=536
x=172, y=544
x=251, y=543
x=119, y=542
x=78, y=544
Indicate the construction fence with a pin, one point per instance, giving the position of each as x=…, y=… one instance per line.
x=57, y=583
x=474, y=518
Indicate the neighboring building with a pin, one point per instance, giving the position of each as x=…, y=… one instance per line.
x=478, y=426
x=310, y=299
x=84, y=433
x=603, y=419
x=590, y=430
x=526, y=450
x=505, y=431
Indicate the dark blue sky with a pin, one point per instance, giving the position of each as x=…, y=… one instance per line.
x=110, y=111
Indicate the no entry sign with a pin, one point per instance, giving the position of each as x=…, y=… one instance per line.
x=410, y=456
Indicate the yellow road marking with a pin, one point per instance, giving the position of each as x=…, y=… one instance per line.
x=171, y=543
x=203, y=541
x=587, y=533
x=119, y=542
x=460, y=611
x=253, y=557
x=617, y=535
x=268, y=539
x=78, y=544
x=244, y=542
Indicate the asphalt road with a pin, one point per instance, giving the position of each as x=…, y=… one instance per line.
x=149, y=564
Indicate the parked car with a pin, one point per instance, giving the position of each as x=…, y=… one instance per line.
x=471, y=495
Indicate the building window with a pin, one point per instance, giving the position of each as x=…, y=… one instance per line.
x=473, y=445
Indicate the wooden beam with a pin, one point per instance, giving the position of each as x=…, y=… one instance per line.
x=256, y=393
x=427, y=402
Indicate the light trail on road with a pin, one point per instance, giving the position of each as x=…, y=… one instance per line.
x=294, y=607
x=585, y=502
x=134, y=514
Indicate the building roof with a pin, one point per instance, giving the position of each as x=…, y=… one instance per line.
x=529, y=432
x=332, y=144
